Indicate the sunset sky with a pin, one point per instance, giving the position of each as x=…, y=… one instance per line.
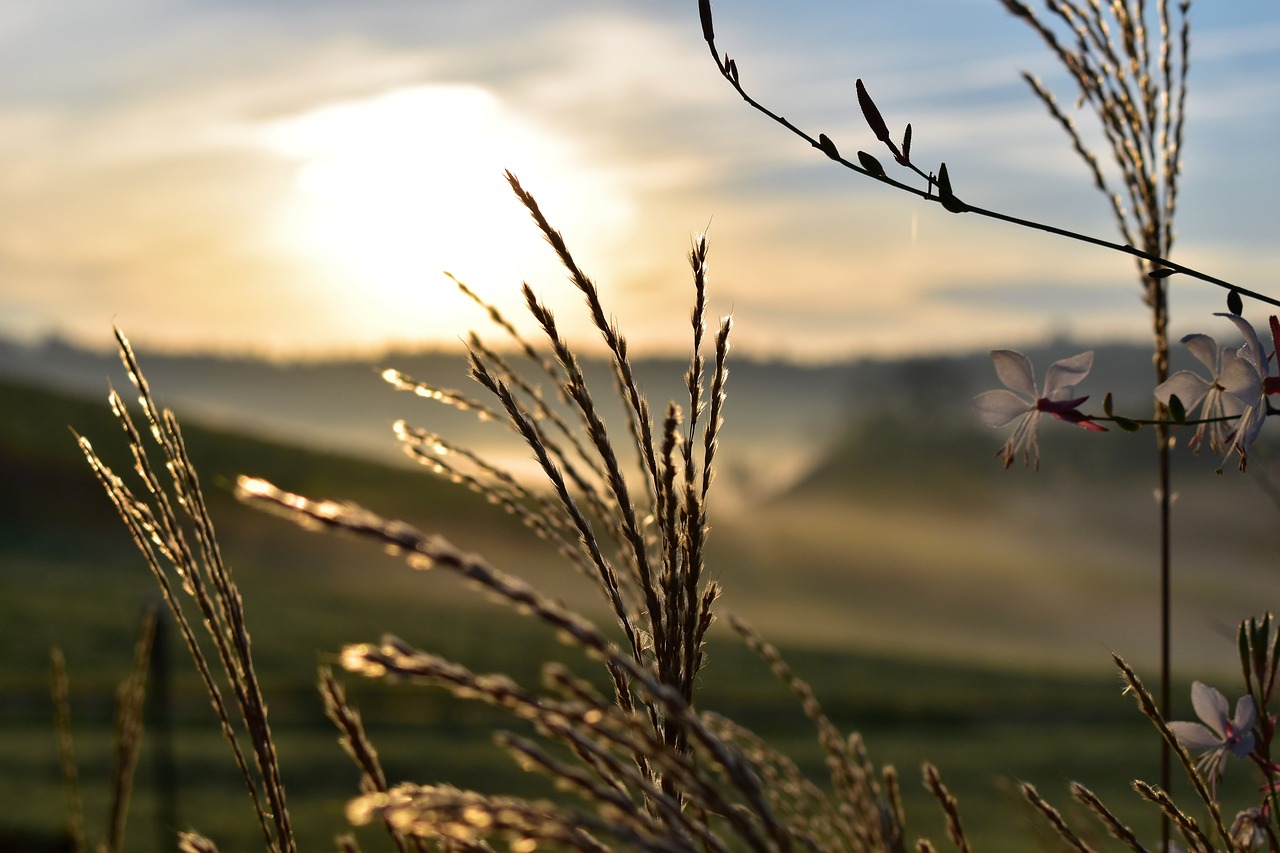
x=292, y=177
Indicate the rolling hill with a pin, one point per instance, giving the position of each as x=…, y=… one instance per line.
x=934, y=599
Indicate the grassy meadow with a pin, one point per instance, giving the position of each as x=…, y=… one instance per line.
x=946, y=627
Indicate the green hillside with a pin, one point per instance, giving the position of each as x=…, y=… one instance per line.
x=821, y=575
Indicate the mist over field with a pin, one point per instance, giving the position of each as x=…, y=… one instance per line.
x=859, y=521
x=864, y=494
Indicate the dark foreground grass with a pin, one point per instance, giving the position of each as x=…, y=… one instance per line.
x=985, y=729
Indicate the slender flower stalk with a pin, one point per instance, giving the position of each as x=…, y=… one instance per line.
x=1135, y=83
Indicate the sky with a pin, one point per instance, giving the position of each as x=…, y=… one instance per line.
x=291, y=178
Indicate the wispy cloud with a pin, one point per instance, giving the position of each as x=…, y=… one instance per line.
x=140, y=183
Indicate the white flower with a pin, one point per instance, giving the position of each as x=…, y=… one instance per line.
x=997, y=408
x=1219, y=734
x=1231, y=400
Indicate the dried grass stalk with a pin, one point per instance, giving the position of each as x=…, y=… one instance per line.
x=1059, y=824
x=61, y=691
x=130, y=698
x=1114, y=825
x=192, y=842
x=162, y=527
x=647, y=768
x=955, y=831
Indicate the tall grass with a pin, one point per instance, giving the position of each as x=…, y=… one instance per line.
x=172, y=528
x=642, y=765
x=621, y=733
x=126, y=744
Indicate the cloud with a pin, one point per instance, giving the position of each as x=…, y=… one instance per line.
x=136, y=178
x=1046, y=297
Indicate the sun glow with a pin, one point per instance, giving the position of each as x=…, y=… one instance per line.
x=392, y=190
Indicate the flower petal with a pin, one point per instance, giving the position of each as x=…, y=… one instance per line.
x=1211, y=706
x=1187, y=386
x=1060, y=381
x=1015, y=371
x=1241, y=378
x=1246, y=714
x=1252, y=349
x=1205, y=349
x=997, y=408
x=1194, y=736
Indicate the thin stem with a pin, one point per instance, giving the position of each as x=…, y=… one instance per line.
x=729, y=71
x=1166, y=653
x=1166, y=422
x=66, y=751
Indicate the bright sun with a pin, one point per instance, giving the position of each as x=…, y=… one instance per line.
x=392, y=190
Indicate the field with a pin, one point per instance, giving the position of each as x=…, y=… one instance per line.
x=948, y=628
